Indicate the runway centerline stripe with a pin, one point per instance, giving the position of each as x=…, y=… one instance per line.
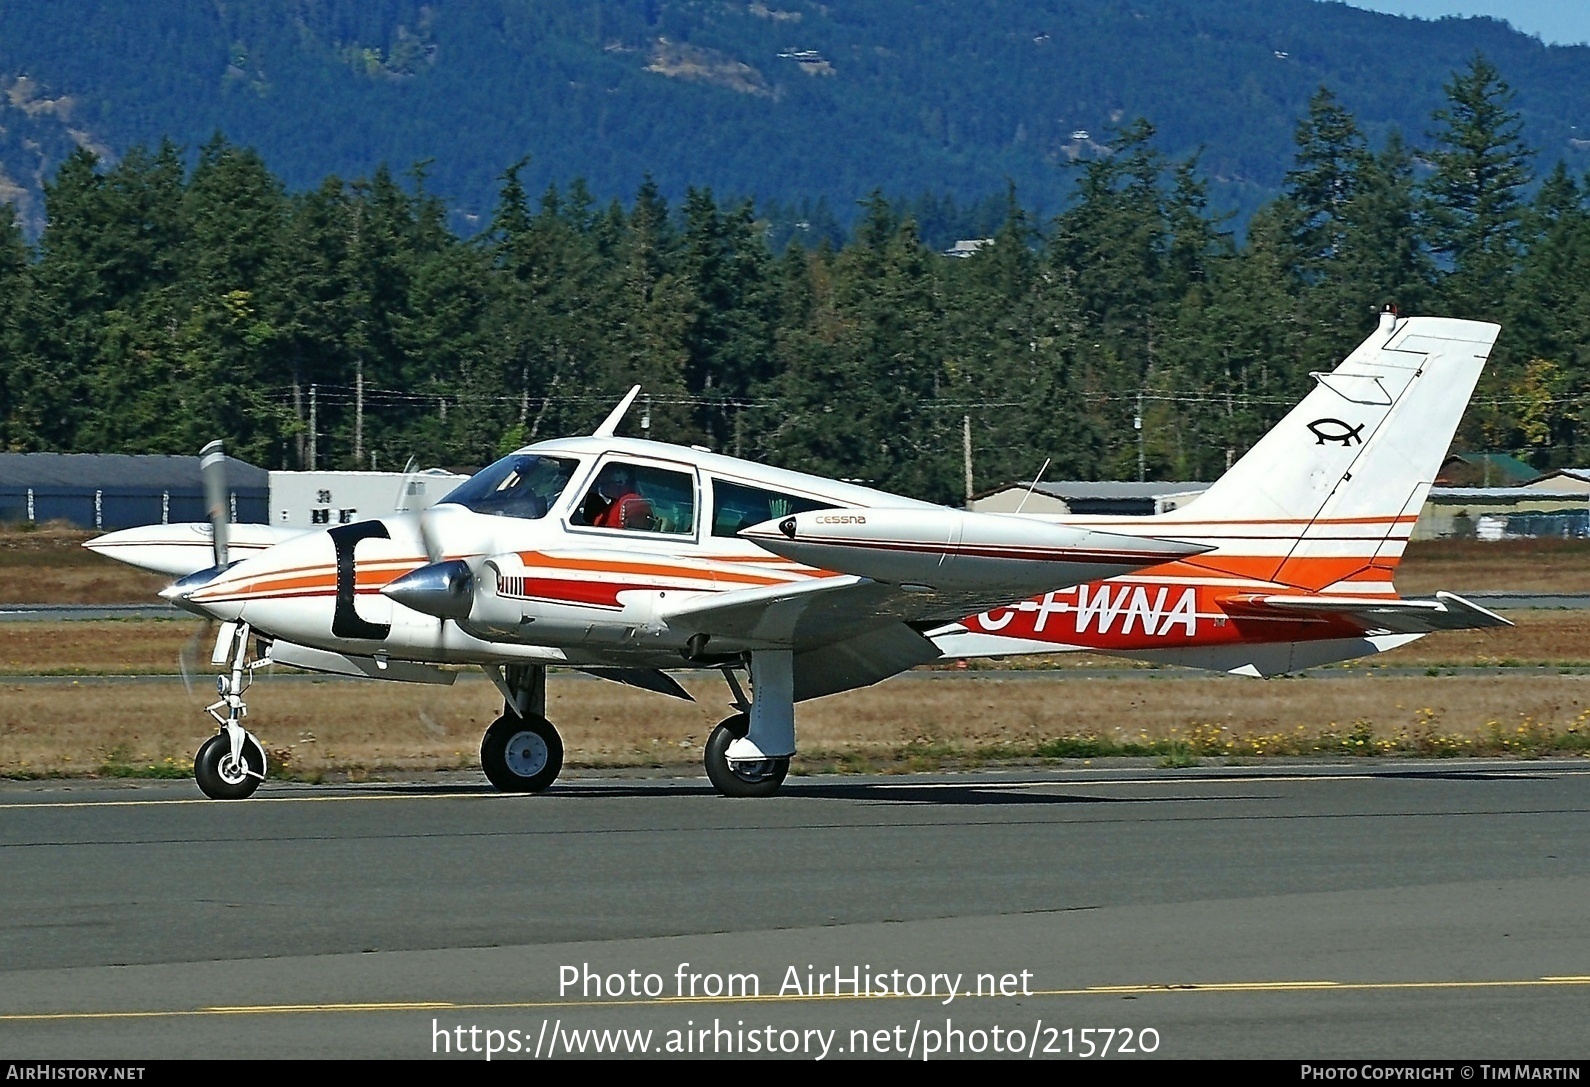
x=1140, y=989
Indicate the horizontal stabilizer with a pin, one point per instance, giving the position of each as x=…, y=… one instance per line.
x=1443, y=611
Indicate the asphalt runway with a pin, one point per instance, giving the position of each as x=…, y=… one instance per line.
x=1348, y=910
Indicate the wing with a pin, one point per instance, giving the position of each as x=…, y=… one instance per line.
x=907, y=566
x=803, y=615
x=1443, y=611
x=899, y=568
x=791, y=615
x=846, y=631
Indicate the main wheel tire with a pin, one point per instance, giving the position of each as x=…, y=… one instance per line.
x=521, y=754
x=219, y=777
x=760, y=778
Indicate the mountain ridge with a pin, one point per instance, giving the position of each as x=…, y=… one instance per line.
x=782, y=102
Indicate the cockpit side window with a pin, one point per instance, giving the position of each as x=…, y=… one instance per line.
x=524, y=485
x=736, y=506
x=639, y=498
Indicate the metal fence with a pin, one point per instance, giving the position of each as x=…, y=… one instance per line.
x=108, y=508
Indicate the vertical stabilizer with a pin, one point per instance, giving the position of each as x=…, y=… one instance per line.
x=1344, y=475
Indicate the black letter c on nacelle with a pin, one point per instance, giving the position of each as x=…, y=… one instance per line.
x=345, y=621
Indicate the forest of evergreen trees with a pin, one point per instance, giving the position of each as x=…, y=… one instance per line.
x=165, y=305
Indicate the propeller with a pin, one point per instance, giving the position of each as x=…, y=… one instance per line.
x=428, y=534
x=212, y=466
x=218, y=505
x=189, y=660
x=410, y=470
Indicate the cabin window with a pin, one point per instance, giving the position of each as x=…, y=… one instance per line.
x=736, y=506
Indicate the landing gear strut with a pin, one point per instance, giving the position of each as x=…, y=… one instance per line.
x=521, y=751
x=231, y=764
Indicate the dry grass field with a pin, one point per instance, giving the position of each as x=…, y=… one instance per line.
x=314, y=728
x=49, y=565
x=1471, y=566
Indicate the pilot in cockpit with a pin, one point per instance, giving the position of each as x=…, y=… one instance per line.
x=616, y=502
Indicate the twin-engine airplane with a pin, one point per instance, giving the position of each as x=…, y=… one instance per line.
x=629, y=558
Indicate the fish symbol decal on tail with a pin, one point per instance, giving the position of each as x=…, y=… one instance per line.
x=1335, y=430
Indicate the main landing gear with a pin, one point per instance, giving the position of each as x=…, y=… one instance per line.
x=748, y=754
x=521, y=751
x=740, y=777
x=231, y=764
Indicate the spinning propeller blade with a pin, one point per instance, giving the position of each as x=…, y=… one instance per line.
x=212, y=466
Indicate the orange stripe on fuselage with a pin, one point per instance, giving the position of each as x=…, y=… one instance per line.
x=539, y=560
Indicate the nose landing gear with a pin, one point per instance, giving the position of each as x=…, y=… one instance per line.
x=231, y=764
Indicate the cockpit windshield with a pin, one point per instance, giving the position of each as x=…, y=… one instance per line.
x=520, y=485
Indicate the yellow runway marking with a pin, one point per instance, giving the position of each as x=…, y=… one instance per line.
x=39, y=804
x=1146, y=989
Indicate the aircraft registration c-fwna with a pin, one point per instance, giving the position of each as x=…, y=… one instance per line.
x=629, y=558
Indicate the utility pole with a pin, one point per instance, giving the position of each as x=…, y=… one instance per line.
x=298, y=414
x=314, y=427
x=1137, y=425
x=362, y=341
x=966, y=450
x=358, y=410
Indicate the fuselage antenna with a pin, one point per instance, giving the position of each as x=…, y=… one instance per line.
x=609, y=425
x=1034, y=484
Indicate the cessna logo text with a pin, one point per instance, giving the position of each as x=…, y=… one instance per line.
x=1106, y=609
x=841, y=519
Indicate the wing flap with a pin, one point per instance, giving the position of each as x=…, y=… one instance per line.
x=796, y=615
x=861, y=661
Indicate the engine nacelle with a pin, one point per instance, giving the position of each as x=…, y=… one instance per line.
x=517, y=600
x=953, y=550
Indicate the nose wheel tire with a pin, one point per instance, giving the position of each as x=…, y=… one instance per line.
x=761, y=777
x=219, y=775
x=521, y=754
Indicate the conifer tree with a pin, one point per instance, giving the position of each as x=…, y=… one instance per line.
x=1476, y=192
